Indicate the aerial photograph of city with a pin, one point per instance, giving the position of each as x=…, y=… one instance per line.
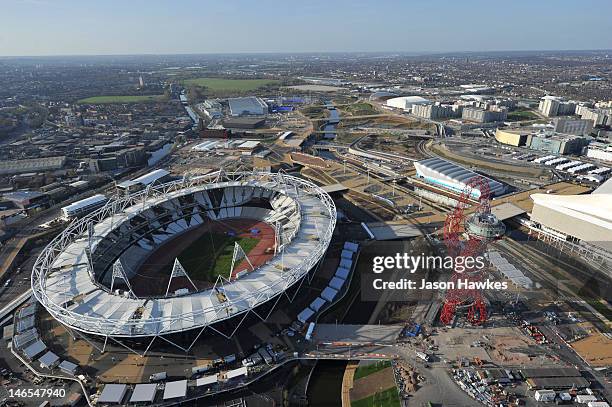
x=363, y=203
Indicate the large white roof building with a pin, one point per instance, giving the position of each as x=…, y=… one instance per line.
x=406, y=102
x=451, y=176
x=585, y=217
x=247, y=106
x=84, y=206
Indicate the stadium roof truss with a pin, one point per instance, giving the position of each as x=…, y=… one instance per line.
x=64, y=279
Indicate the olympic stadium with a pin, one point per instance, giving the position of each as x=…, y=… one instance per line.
x=96, y=277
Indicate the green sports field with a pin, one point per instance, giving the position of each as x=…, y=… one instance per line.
x=95, y=100
x=229, y=85
x=211, y=255
x=366, y=370
x=385, y=398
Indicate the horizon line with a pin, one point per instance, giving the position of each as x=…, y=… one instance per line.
x=414, y=53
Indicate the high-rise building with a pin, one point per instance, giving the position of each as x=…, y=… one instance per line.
x=484, y=116
x=576, y=127
x=549, y=106
x=555, y=106
x=599, y=117
x=434, y=111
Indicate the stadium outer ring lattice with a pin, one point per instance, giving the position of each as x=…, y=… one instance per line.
x=106, y=327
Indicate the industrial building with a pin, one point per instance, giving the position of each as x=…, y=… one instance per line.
x=31, y=165
x=247, y=106
x=27, y=200
x=212, y=109
x=557, y=143
x=84, y=206
x=235, y=144
x=406, y=102
x=159, y=176
x=244, y=123
x=451, y=176
x=600, y=151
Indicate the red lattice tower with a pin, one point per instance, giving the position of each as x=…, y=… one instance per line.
x=475, y=245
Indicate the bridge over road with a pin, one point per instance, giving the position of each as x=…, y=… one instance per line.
x=356, y=335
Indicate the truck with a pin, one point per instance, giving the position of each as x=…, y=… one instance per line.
x=200, y=369
x=545, y=395
x=252, y=360
x=263, y=352
x=158, y=377
x=423, y=356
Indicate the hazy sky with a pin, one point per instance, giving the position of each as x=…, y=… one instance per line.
x=69, y=27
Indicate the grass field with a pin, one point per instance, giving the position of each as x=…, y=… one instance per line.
x=359, y=109
x=385, y=398
x=211, y=255
x=121, y=99
x=366, y=370
x=229, y=85
x=519, y=115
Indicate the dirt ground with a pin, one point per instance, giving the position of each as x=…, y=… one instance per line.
x=505, y=343
x=376, y=382
x=595, y=349
x=152, y=276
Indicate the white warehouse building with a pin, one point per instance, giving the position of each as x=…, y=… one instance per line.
x=454, y=177
x=247, y=106
x=84, y=206
x=600, y=151
x=406, y=102
x=584, y=217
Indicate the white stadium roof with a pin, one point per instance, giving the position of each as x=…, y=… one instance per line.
x=64, y=285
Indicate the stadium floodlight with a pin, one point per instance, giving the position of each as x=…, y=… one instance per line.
x=119, y=273
x=239, y=254
x=178, y=271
